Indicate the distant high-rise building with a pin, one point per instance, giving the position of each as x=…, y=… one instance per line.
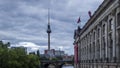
x=59, y=53
x=54, y=53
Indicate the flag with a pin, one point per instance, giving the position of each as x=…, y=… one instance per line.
x=78, y=20
x=89, y=12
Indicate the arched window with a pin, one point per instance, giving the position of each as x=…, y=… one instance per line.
x=98, y=33
x=110, y=24
x=104, y=29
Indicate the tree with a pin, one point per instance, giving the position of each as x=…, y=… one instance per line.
x=33, y=61
x=16, y=57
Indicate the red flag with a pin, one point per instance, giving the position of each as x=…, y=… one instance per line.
x=78, y=20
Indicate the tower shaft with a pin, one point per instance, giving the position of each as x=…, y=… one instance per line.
x=48, y=31
x=48, y=41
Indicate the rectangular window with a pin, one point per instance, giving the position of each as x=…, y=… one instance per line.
x=118, y=19
x=119, y=36
x=98, y=45
x=98, y=49
x=90, y=49
x=94, y=49
x=94, y=36
x=103, y=48
x=110, y=45
x=104, y=43
x=90, y=38
x=110, y=24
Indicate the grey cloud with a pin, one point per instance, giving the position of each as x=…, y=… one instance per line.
x=26, y=21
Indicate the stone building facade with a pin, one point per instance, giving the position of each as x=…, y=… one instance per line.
x=99, y=40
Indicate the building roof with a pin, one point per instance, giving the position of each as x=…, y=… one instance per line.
x=105, y=4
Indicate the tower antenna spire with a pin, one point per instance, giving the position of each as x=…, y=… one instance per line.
x=48, y=15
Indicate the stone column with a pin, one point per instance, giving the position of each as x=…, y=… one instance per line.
x=100, y=43
x=95, y=40
x=118, y=33
x=103, y=41
x=114, y=40
x=90, y=47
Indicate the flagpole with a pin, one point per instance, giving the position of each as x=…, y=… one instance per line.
x=79, y=22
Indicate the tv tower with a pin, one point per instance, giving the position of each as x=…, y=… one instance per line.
x=48, y=29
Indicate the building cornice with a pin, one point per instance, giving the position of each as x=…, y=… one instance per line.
x=105, y=4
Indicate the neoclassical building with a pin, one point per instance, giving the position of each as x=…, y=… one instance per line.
x=99, y=40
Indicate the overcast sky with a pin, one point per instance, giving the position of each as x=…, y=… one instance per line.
x=24, y=22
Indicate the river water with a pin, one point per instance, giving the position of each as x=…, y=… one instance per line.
x=67, y=67
x=62, y=67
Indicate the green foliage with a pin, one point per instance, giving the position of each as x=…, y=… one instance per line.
x=54, y=59
x=43, y=58
x=16, y=58
x=34, y=61
x=59, y=57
